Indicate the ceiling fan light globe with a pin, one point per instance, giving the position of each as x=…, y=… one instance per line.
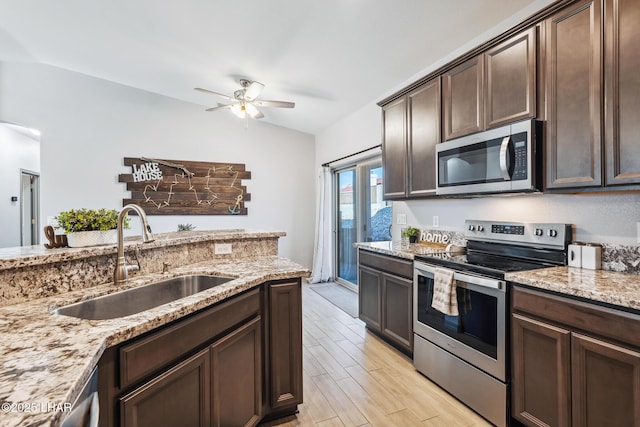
x=238, y=110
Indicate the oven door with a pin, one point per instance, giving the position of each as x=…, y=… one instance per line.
x=477, y=334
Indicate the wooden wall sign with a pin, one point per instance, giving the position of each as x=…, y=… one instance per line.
x=180, y=187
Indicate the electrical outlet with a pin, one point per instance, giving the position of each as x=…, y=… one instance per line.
x=401, y=219
x=222, y=248
x=436, y=221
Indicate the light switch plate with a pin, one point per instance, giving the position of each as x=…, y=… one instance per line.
x=222, y=248
x=401, y=219
x=436, y=221
x=638, y=233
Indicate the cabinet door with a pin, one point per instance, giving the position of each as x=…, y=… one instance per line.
x=394, y=149
x=369, y=296
x=605, y=383
x=236, y=383
x=511, y=80
x=397, y=310
x=462, y=99
x=177, y=398
x=424, y=134
x=540, y=382
x=622, y=91
x=285, y=345
x=574, y=74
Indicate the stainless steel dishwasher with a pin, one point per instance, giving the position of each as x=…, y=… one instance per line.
x=86, y=409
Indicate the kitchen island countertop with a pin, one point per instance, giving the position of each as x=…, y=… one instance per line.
x=45, y=358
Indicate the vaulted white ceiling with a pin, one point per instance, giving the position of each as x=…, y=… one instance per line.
x=330, y=57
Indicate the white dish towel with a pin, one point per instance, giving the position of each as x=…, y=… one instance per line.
x=444, y=292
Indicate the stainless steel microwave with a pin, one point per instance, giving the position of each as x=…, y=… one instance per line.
x=501, y=160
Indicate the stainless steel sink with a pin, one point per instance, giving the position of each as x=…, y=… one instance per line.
x=139, y=299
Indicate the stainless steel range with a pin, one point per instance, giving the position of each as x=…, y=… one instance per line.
x=466, y=354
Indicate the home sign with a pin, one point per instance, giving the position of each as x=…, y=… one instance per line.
x=181, y=187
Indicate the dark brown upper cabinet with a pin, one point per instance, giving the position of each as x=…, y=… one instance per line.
x=592, y=66
x=411, y=130
x=424, y=133
x=573, y=82
x=510, y=80
x=394, y=149
x=492, y=89
x=622, y=91
x=462, y=99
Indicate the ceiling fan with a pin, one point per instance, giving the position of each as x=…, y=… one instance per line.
x=244, y=103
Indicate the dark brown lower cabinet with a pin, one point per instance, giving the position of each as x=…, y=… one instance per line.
x=541, y=376
x=397, y=313
x=232, y=364
x=605, y=383
x=573, y=363
x=236, y=386
x=370, y=297
x=284, y=356
x=385, y=297
x=177, y=397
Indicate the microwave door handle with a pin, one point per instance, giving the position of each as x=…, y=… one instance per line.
x=505, y=156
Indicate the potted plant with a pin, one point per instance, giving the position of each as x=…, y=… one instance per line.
x=412, y=233
x=90, y=227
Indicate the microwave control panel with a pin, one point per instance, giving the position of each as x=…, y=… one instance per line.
x=520, y=156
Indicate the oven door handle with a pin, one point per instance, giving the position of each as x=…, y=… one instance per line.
x=480, y=281
x=468, y=278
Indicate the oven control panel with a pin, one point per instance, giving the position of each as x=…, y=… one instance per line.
x=551, y=235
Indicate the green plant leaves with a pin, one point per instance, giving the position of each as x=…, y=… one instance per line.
x=75, y=220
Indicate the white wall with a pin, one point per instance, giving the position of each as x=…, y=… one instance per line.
x=610, y=218
x=88, y=125
x=19, y=151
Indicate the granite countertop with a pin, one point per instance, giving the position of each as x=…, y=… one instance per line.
x=45, y=359
x=405, y=250
x=610, y=287
x=22, y=256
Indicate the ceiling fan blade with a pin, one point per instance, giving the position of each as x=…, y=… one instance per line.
x=253, y=112
x=219, y=107
x=277, y=104
x=253, y=91
x=214, y=93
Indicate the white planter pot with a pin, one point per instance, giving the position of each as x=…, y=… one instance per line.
x=81, y=239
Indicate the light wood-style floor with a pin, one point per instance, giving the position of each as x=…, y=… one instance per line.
x=352, y=378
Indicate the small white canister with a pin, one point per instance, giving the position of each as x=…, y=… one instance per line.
x=575, y=254
x=592, y=256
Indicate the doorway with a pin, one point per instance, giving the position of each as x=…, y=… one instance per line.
x=361, y=215
x=29, y=208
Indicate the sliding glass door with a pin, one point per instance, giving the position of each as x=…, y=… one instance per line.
x=362, y=215
x=347, y=226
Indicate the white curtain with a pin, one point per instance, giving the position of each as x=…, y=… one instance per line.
x=322, y=270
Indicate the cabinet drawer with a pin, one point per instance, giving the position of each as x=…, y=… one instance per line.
x=389, y=264
x=603, y=321
x=148, y=354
